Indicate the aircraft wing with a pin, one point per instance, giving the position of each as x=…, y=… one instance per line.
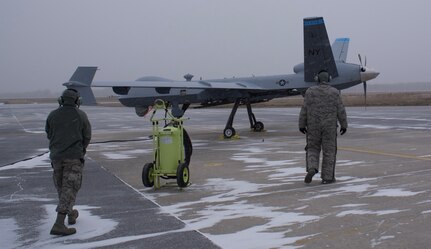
x=201, y=84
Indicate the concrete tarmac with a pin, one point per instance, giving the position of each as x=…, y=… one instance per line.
x=246, y=192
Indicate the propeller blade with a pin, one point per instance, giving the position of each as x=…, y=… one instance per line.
x=365, y=93
x=360, y=61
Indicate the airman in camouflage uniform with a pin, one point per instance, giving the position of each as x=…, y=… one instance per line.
x=321, y=110
x=69, y=133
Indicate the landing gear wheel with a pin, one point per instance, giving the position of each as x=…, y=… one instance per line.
x=147, y=175
x=229, y=132
x=258, y=126
x=183, y=175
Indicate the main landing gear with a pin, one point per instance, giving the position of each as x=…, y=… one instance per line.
x=257, y=126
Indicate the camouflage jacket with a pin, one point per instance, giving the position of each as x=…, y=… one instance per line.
x=322, y=107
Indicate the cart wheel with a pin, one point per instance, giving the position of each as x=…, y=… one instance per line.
x=147, y=175
x=183, y=175
x=229, y=132
x=258, y=126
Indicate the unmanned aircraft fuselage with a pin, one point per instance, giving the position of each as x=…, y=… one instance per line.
x=274, y=86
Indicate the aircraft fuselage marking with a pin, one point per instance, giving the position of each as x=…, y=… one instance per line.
x=313, y=51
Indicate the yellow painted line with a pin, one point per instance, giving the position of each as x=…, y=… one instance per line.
x=213, y=164
x=383, y=153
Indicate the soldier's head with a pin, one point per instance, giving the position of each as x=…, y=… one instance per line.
x=70, y=97
x=323, y=76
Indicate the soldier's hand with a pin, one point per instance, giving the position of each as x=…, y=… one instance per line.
x=342, y=131
x=303, y=130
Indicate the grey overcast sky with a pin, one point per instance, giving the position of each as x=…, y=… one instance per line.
x=43, y=41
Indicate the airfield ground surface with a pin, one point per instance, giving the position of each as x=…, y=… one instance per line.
x=245, y=193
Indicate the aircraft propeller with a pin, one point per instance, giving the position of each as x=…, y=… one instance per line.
x=363, y=69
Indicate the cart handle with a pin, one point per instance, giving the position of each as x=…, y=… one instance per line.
x=160, y=104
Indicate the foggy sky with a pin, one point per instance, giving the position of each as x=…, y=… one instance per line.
x=42, y=42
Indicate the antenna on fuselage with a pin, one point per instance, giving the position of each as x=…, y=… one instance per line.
x=188, y=77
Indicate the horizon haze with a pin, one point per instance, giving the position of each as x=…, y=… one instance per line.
x=44, y=41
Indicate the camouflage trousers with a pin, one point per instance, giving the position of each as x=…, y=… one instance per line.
x=67, y=180
x=322, y=139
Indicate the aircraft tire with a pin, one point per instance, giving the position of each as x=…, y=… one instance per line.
x=258, y=126
x=147, y=178
x=229, y=132
x=183, y=175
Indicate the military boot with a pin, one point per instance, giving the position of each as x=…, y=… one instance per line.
x=309, y=176
x=71, y=218
x=59, y=228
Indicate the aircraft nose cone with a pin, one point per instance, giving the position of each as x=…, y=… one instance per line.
x=369, y=74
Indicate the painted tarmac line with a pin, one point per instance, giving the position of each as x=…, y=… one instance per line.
x=383, y=153
x=186, y=224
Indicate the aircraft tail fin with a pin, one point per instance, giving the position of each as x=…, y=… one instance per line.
x=317, y=50
x=81, y=81
x=340, y=48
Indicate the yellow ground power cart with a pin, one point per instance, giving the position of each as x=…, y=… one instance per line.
x=172, y=150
